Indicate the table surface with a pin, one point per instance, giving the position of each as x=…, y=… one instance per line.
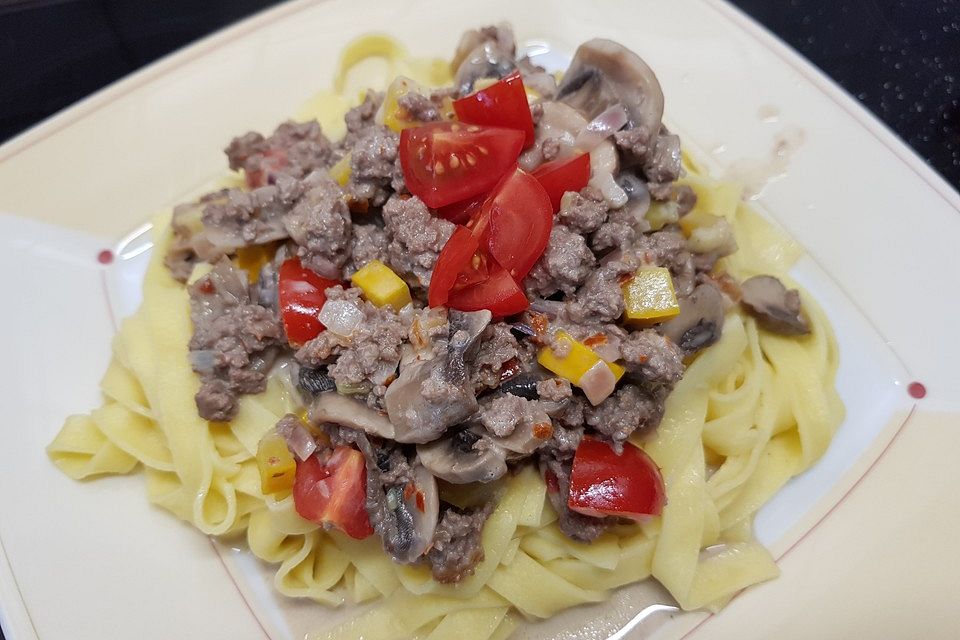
x=900, y=59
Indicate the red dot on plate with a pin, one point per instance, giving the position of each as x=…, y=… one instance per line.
x=916, y=390
x=105, y=256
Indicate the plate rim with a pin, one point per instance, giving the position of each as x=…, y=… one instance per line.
x=14, y=609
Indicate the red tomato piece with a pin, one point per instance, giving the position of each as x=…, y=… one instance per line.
x=445, y=162
x=503, y=104
x=559, y=176
x=302, y=293
x=461, y=212
x=606, y=484
x=330, y=489
x=454, y=258
x=519, y=220
x=499, y=293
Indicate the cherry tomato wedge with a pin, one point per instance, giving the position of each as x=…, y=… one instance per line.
x=461, y=212
x=454, y=258
x=515, y=223
x=606, y=484
x=559, y=176
x=330, y=489
x=499, y=293
x=503, y=104
x=302, y=294
x=445, y=162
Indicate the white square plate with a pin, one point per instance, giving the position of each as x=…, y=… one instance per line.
x=865, y=538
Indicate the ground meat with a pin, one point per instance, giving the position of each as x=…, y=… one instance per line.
x=549, y=149
x=554, y=390
x=566, y=439
x=668, y=248
x=498, y=347
x=416, y=238
x=361, y=117
x=320, y=224
x=555, y=466
x=244, y=218
x=234, y=341
x=686, y=199
x=501, y=414
x=600, y=299
x=628, y=409
x=190, y=244
x=373, y=163
x=658, y=156
x=583, y=212
x=652, y=358
x=294, y=149
x=370, y=356
x=620, y=231
x=565, y=264
x=418, y=108
x=368, y=242
x=457, y=548
x=662, y=162
x=633, y=144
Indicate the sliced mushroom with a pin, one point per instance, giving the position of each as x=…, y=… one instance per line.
x=638, y=194
x=415, y=510
x=700, y=320
x=466, y=456
x=523, y=385
x=348, y=412
x=775, y=307
x=501, y=34
x=431, y=395
x=487, y=60
x=604, y=73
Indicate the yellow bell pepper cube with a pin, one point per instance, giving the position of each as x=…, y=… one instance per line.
x=381, y=286
x=341, y=170
x=578, y=360
x=649, y=297
x=253, y=258
x=391, y=113
x=276, y=464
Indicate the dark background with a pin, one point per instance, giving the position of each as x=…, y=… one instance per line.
x=900, y=59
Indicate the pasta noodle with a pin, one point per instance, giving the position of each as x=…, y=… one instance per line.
x=751, y=412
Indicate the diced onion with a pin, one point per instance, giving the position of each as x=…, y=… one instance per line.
x=602, y=127
x=342, y=317
x=299, y=440
x=598, y=383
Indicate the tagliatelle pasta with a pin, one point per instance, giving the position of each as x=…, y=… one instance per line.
x=750, y=413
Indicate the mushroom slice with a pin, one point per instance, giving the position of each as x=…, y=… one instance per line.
x=431, y=395
x=348, y=412
x=466, y=456
x=775, y=307
x=604, y=73
x=416, y=508
x=699, y=322
x=487, y=60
